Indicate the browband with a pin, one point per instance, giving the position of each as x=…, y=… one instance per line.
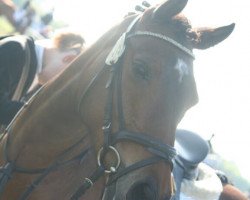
x=165, y=38
x=120, y=46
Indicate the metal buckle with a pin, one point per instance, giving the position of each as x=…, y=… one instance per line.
x=112, y=168
x=105, y=127
x=90, y=182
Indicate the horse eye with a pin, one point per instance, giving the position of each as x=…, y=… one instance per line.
x=141, y=70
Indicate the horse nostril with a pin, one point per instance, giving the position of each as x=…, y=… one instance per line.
x=142, y=191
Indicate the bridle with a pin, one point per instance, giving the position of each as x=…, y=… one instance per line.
x=161, y=151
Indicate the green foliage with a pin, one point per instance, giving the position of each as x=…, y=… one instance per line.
x=232, y=171
x=5, y=26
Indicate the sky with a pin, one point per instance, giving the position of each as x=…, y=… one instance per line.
x=222, y=72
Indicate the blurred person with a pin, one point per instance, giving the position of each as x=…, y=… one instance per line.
x=23, y=60
x=7, y=9
x=19, y=18
x=42, y=24
x=45, y=21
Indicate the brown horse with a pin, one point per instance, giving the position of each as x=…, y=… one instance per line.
x=109, y=120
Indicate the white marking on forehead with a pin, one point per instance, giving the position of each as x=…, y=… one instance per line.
x=182, y=68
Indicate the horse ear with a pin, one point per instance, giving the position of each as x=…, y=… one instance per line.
x=169, y=9
x=208, y=37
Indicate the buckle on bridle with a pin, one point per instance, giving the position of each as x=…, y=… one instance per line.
x=112, y=169
x=107, y=127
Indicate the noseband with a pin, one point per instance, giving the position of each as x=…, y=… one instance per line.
x=161, y=151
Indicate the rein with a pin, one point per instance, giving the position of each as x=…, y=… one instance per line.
x=161, y=151
x=10, y=167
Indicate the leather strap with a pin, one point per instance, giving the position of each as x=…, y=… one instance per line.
x=154, y=146
x=87, y=183
x=133, y=167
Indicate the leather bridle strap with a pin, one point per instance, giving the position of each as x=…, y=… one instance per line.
x=10, y=166
x=154, y=146
x=48, y=170
x=107, y=121
x=133, y=167
x=88, y=182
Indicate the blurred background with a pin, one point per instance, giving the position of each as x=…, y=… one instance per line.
x=222, y=73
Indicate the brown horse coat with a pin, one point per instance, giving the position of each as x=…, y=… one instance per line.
x=154, y=89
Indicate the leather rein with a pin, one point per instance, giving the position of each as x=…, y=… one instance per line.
x=10, y=166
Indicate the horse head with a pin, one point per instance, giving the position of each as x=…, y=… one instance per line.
x=150, y=85
x=120, y=101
